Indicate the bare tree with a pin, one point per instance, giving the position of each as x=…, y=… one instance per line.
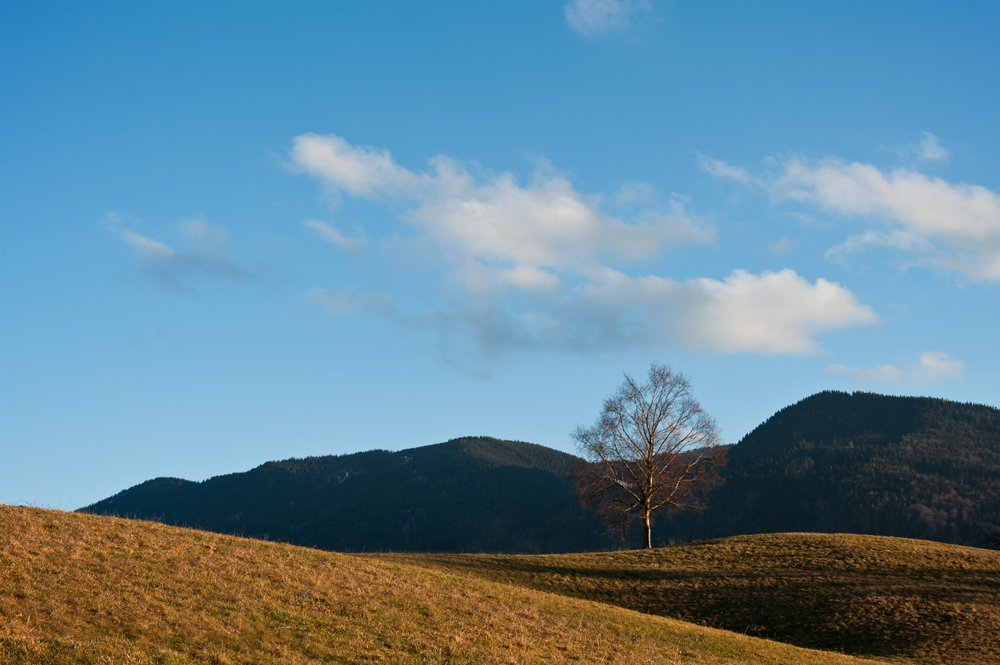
x=652, y=447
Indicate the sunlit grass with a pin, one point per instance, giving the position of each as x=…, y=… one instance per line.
x=88, y=589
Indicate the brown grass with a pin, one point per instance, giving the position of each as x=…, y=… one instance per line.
x=867, y=595
x=88, y=589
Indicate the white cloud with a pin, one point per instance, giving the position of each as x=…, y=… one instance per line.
x=332, y=235
x=357, y=170
x=771, y=313
x=483, y=279
x=549, y=225
x=149, y=249
x=722, y=169
x=954, y=227
x=918, y=246
x=538, y=265
x=591, y=18
x=930, y=148
x=206, y=257
x=933, y=366
x=498, y=232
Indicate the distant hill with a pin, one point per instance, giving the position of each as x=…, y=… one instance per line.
x=474, y=494
x=862, y=463
x=833, y=463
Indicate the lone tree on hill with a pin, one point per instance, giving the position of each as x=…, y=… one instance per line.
x=652, y=447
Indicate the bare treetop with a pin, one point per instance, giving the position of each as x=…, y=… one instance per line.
x=652, y=447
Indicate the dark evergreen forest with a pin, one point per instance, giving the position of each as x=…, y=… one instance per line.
x=474, y=494
x=834, y=462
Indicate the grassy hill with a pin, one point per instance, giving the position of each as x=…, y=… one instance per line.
x=866, y=595
x=78, y=588
x=474, y=494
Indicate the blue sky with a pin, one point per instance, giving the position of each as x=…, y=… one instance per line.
x=238, y=232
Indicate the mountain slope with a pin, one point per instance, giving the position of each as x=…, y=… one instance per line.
x=470, y=494
x=861, y=463
x=834, y=462
x=92, y=589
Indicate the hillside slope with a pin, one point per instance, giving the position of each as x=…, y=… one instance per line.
x=865, y=595
x=835, y=462
x=471, y=494
x=87, y=589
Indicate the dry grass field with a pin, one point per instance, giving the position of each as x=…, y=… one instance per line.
x=900, y=599
x=86, y=589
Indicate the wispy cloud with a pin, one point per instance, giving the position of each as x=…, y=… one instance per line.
x=932, y=367
x=783, y=245
x=539, y=264
x=592, y=18
x=636, y=193
x=930, y=148
x=722, y=169
x=771, y=314
x=205, y=257
x=951, y=227
x=356, y=170
x=351, y=301
x=332, y=235
x=114, y=220
x=499, y=232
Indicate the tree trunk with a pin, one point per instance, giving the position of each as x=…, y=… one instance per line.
x=647, y=531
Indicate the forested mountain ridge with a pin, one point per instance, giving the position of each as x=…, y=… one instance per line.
x=469, y=494
x=915, y=467
x=834, y=462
